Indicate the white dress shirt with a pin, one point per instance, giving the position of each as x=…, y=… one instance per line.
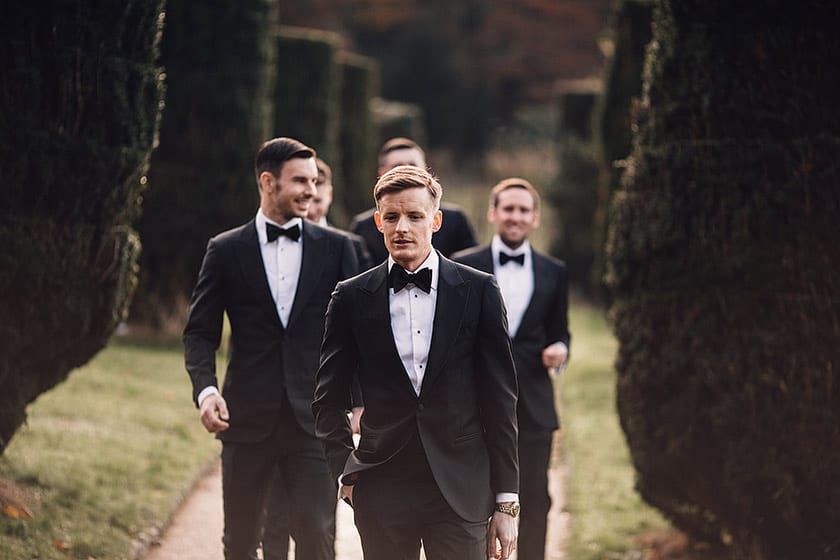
x=282, y=259
x=412, y=317
x=516, y=281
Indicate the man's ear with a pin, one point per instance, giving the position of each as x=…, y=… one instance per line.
x=266, y=181
x=536, y=219
x=377, y=218
x=437, y=220
x=491, y=215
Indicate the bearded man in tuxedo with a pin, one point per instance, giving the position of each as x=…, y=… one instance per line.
x=273, y=276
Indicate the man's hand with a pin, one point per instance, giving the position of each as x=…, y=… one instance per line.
x=356, y=419
x=214, y=413
x=503, y=529
x=554, y=357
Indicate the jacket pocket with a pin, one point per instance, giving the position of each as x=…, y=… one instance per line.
x=466, y=437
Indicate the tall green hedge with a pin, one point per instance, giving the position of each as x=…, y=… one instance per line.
x=308, y=87
x=575, y=191
x=357, y=134
x=80, y=95
x=725, y=271
x=219, y=61
x=631, y=33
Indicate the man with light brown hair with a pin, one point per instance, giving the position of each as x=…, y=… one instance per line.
x=427, y=340
x=535, y=291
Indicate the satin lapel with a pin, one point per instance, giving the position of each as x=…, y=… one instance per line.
x=312, y=263
x=253, y=268
x=486, y=262
x=532, y=312
x=449, y=312
x=375, y=319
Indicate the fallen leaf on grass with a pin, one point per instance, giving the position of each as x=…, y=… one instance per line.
x=62, y=546
x=16, y=512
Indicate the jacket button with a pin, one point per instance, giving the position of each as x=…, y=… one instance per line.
x=420, y=407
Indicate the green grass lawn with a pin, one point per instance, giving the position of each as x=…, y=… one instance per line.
x=605, y=509
x=105, y=457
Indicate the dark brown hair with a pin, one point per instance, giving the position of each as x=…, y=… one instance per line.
x=398, y=143
x=275, y=152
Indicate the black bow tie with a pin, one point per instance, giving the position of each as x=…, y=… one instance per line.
x=400, y=277
x=274, y=232
x=505, y=257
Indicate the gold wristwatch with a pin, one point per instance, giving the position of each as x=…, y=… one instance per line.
x=510, y=508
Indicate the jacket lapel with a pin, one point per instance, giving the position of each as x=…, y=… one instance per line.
x=449, y=312
x=532, y=312
x=253, y=268
x=375, y=316
x=486, y=261
x=312, y=263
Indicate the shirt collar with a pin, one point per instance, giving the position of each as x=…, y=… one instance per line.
x=262, y=219
x=432, y=262
x=497, y=246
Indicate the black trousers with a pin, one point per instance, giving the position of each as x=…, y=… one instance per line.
x=397, y=506
x=277, y=527
x=534, y=500
x=246, y=480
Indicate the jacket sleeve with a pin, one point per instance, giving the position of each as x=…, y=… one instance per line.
x=333, y=381
x=558, y=320
x=203, y=331
x=498, y=390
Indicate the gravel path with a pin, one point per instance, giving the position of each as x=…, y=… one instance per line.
x=196, y=529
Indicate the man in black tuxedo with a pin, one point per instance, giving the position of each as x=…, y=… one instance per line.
x=455, y=234
x=273, y=277
x=535, y=292
x=276, y=529
x=427, y=340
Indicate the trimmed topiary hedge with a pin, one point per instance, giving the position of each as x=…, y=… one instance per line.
x=631, y=30
x=219, y=61
x=308, y=87
x=358, y=134
x=575, y=192
x=80, y=95
x=724, y=265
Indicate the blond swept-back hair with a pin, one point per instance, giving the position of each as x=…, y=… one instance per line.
x=407, y=177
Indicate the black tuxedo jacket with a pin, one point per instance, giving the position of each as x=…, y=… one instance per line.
x=455, y=234
x=466, y=411
x=545, y=322
x=266, y=361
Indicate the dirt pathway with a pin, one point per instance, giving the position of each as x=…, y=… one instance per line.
x=196, y=529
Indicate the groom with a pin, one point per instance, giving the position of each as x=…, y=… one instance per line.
x=427, y=339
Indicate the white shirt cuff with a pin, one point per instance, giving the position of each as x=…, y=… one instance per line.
x=206, y=392
x=506, y=497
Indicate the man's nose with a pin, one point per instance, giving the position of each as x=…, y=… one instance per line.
x=402, y=223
